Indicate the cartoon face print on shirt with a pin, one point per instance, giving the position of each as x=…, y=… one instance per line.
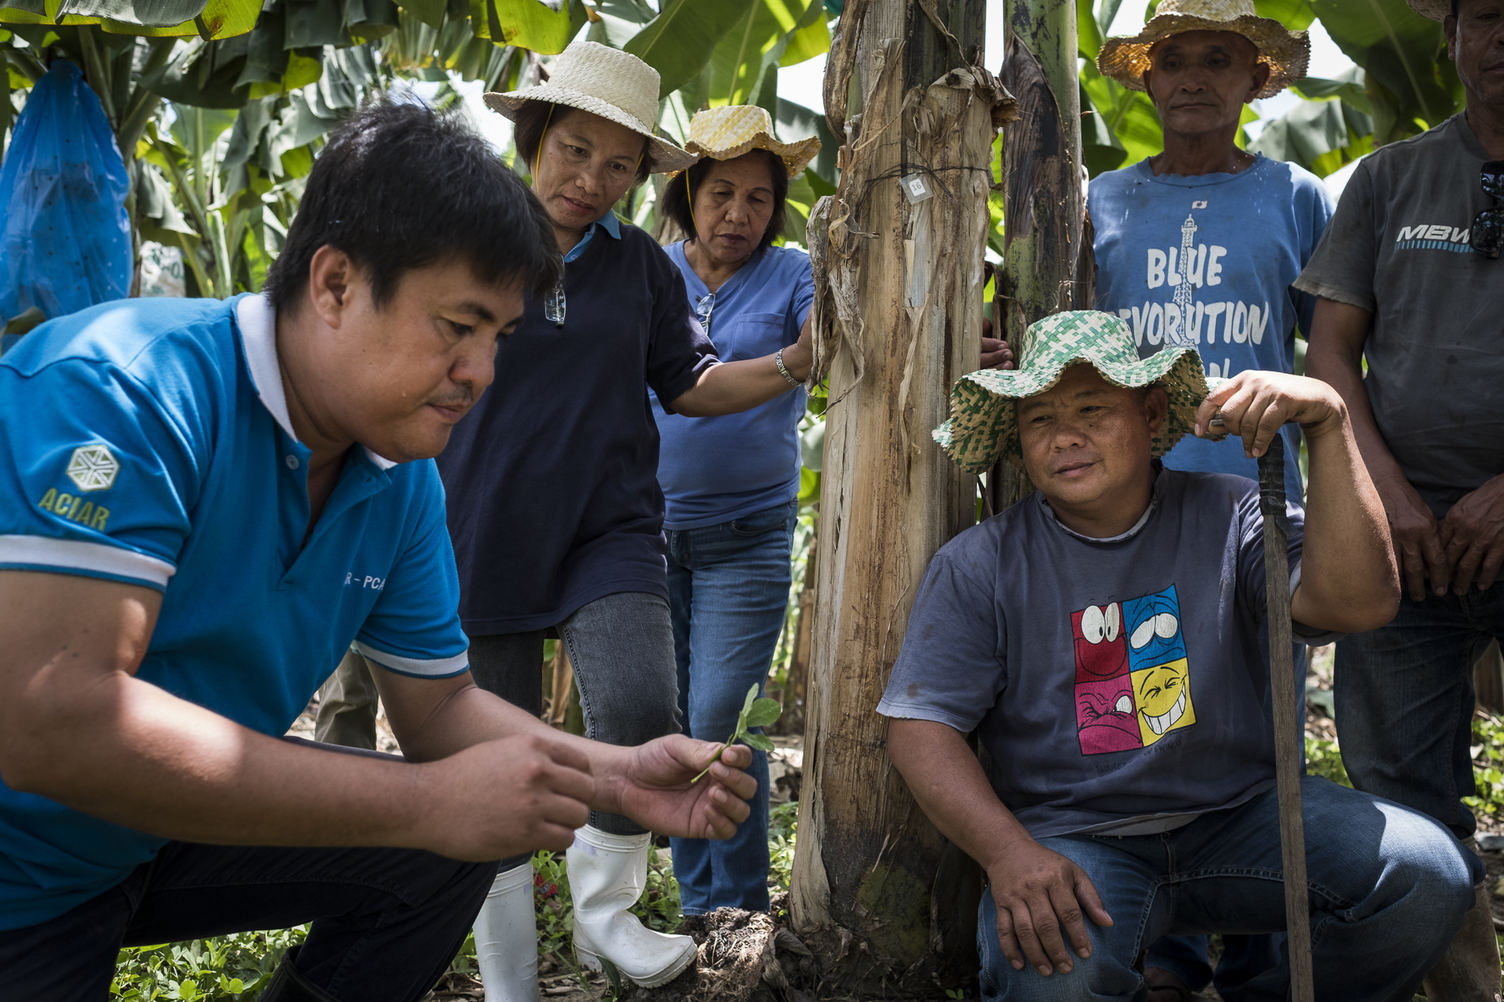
x=1132, y=677
x=1153, y=627
x=1157, y=659
x=1163, y=697
x=1101, y=644
x=1105, y=719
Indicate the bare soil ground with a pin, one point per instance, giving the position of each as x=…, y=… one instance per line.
x=743, y=957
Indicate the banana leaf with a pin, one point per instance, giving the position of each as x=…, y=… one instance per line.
x=528, y=24
x=1402, y=55
x=211, y=19
x=680, y=40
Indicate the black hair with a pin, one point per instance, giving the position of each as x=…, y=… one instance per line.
x=534, y=118
x=676, y=196
x=399, y=187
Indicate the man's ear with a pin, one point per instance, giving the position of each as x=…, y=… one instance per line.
x=1449, y=31
x=1260, y=80
x=1156, y=408
x=331, y=273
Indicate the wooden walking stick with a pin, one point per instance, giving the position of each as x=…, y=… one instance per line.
x=1287, y=737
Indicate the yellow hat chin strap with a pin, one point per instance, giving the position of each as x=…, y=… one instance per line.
x=538, y=157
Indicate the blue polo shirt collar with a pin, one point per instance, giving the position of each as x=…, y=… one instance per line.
x=258, y=333
x=608, y=222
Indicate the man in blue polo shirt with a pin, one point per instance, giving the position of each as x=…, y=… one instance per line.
x=202, y=505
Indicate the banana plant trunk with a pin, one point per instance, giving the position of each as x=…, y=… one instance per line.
x=1048, y=264
x=885, y=903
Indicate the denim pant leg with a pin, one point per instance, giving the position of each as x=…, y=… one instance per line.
x=386, y=922
x=1243, y=957
x=510, y=665
x=1404, y=699
x=1127, y=883
x=622, y=650
x=1388, y=888
x=729, y=592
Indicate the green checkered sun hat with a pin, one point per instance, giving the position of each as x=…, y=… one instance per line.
x=982, y=424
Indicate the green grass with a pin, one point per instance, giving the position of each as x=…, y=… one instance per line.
x=781, y=823
x=1488, y=769
x=237, y=966
x=1323, y=759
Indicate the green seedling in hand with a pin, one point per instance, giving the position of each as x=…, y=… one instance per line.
x=755, y=713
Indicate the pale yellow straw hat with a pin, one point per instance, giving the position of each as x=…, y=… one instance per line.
x=726, y=133
x=608, y=82
x=1436, y=10
x=1286, y=52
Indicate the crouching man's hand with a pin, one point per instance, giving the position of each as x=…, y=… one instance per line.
x=501, y=798
x=1042, y=900
x=1255, y=403
x=1039, y=894
x=654, y=784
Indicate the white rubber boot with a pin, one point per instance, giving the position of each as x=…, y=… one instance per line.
x=506, y=938
x=607, y=874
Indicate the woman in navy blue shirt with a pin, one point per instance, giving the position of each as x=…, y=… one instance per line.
x=554, y=508
x=731, y=483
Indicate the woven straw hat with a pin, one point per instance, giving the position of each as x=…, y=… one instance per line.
x=608, y=82
x=728, y=132
x=1436, y=10
x=1286, y=52
x=982, y=422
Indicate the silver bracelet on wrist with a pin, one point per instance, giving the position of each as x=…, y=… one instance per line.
x=783, y=369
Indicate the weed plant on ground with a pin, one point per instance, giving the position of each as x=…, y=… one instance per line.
x=237, y=966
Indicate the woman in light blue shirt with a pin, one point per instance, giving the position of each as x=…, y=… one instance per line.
x=731, y=483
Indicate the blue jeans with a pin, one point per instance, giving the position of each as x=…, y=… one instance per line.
x=1404, y=697
x=1388, y=890
x=1243, y=957
x=728, y=589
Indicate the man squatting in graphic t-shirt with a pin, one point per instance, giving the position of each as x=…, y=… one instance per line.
x=1198, y=246
x=1102, y=639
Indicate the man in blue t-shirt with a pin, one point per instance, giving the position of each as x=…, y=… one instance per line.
x=1198, y=245
x=1101, y=638
x=202, y=506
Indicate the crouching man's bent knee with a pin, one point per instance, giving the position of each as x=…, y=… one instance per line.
x=1388, y=889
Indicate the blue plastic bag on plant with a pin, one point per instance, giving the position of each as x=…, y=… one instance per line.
x=66, y=243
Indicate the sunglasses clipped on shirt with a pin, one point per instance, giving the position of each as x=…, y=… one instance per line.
x=1487, y=235
x=704, y=306
x=554, y=305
